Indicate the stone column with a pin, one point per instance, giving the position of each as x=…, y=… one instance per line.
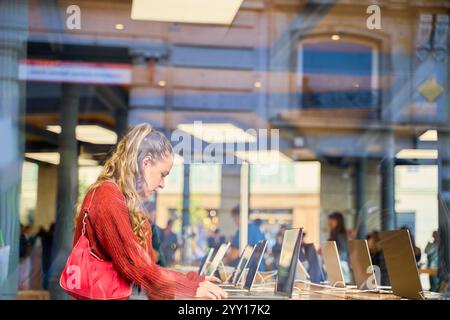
x=444, y=205
x=13, y=36
x=230, y=196
x=244, y=199
x=441, y=51
x=387, y=168
x=67, y=192
x=360, y=191
x=186, y=216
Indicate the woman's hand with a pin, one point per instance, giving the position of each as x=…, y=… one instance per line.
x=213, y=279
x=209, y=290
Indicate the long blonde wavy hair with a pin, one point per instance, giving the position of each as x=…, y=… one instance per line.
x=124, y=168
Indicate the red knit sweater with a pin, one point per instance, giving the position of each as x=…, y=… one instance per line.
x=111, y=238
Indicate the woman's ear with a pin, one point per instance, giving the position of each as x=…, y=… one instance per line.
x=148, y=161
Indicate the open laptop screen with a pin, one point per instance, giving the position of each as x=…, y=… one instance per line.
x=243, y=262
x=254, y=262
x=401, y=263
x=212, y=267
x=314, y=265
x=287, y=265
x=332, y=262
x=205, y=262
x=361, y=263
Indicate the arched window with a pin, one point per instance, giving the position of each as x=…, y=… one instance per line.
x=339, y=73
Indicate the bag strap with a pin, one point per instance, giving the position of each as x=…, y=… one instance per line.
x=86, y=213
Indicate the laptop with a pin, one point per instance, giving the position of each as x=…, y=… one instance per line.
x=239, y=270
x=205, y=262
x=253, y=266
x=210, y=269
x=254, y=263
x=309, y=254
x=402, y=267
x=335, y=277
x=363, y=270
x=287, y=267
x=302, y=274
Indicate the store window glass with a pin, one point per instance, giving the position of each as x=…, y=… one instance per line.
x=281, y=114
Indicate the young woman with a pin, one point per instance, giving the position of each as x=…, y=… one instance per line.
x=117, y=227
x=338, y=233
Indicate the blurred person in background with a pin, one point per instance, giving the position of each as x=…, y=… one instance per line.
x=169, y=243
x=377, y=257
x=311, y=261
x=150, y=206
x=416, y=249
x=255, y=232
x=283, y=228
x=46, y=243
x=233, y=252
x=432, y=252
x=255, y=235
x=216, y=239
x=338, y=233
x=26, y=244
x=352, y=234
x=196, y=251
x=276, y=251
x=157, y=245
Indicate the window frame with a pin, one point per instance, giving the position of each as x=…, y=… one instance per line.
x=297, y=82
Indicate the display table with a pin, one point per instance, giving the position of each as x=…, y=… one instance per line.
x=33, y=295
x=429, y=271
x=344, y=293
x=308, y=291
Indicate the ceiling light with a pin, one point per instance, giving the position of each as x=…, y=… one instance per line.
x=90, y=133
x=161, y=83
x=335, y=37
x=49, y=157
x=429, y=135
x=87, y=162
x=257, y=84
x=217, y=132
x=417, y=154
x=119, y=26
x=186, y=11
x=263, y=156
x=54, y=157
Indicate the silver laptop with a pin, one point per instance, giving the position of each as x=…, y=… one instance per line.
x=335, y=277
x=239, y=270
x=401, y=266
x=287, y=267
x=367, y=278
x=211, y=268
x=206, y=261
x=253, y=266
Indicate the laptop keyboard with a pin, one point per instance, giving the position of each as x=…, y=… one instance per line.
x=254, y=295
x=428, y=295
